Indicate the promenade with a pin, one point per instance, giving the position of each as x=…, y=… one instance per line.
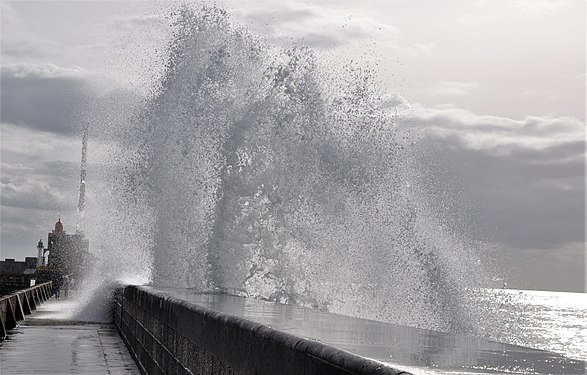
x=42, y=344
x=178, y=331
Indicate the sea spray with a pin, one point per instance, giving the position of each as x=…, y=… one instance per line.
x=268, y=173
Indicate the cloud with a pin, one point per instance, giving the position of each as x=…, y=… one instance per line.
x=30, y=48
x=525, y=200
x=40, y=163
x=40, y=71
x=496, y=134
x=565, y=270
x=39, y=183
x=326, y=26
x=394, y=101
x=22, y=228
x=523, y=181
x=31, y=193
x=44, y=96
x=452, y=88
x=37, y=156
x=314, y=26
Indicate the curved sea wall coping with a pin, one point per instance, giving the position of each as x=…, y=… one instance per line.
x=166, y=335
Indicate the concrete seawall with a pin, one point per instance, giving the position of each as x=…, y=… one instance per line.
x=170, y=336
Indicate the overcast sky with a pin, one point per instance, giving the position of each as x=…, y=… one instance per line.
x=496, y=88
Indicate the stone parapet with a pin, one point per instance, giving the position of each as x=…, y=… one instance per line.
x=170, y=336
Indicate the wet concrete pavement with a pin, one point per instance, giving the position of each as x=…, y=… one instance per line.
x=52, y=346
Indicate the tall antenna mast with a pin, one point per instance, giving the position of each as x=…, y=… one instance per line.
x=81, y=206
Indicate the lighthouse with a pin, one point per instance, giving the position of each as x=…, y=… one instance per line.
x=40, y=248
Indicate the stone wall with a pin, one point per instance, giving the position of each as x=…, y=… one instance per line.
x=171, y=336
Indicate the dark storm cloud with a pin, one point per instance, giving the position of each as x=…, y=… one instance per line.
x=40, y=172
x=33, y=195
x=22, y=228
x=30, y=204
x=42, y=106
x=44, y=97
x=517, y=185
x=525, y=179
x=547, y=269
x=17, y=220
x=46, y=186
x=531, y=202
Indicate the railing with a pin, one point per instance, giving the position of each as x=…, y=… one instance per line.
x=14, y=307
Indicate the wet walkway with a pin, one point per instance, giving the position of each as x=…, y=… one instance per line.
x=49, y=346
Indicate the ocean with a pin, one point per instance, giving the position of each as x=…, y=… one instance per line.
x=554, y=321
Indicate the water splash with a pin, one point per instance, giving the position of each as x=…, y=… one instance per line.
x=81, y=206
x=263, y=172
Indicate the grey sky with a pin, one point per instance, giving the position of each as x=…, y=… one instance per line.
x=496, y=88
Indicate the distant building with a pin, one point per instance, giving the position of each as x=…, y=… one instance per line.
x=68, y=253
x=17, y=275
